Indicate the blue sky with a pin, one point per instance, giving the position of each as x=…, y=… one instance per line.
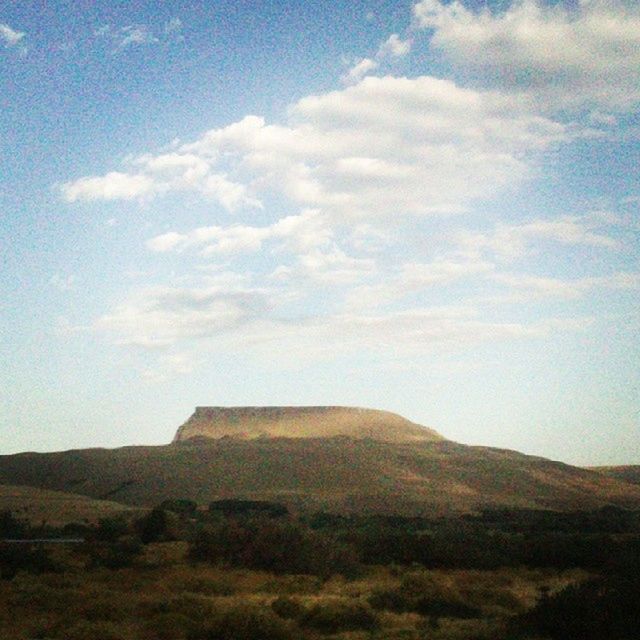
x=426, y=207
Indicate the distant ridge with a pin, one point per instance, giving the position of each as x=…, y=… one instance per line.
x=248, y=423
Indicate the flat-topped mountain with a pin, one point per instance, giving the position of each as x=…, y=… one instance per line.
x=248, y=423
x=320, y=458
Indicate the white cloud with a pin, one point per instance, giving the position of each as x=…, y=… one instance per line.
x=359, y=70
x=161, y=174
x=301, y=232
x=394, y=47
x=112, y=186
x=330, y=266
x=561, y=56
x=10, y=36
x=385, y=147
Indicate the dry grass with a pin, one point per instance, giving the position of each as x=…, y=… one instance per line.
x=161, y=601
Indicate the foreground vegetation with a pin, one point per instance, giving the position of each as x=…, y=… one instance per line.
x=249, y=570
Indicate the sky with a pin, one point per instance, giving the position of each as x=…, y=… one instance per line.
x=427, y=207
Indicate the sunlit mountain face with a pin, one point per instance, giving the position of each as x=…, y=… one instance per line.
x=430, y=207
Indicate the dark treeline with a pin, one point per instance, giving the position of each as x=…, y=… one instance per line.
x=264, y=535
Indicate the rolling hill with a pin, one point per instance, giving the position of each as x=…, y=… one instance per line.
x=54, y=507
x=325, y=462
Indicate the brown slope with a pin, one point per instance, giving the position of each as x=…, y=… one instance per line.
x=55, y=507
x=247, y=423
x=627, y=473
x=337, y=474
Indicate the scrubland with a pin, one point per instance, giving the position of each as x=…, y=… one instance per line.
x=256, y=572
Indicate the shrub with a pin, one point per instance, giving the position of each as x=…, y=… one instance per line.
x=166, y=626
x=288, y=608
x=602, y=609
x=338, y=616
x=24, y=557
x=243, y=622
x=273, y=545
x=122, y=553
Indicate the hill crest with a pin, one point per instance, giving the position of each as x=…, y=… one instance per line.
x=249, y=423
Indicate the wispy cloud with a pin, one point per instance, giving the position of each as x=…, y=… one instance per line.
x=135, y=35
x=163, y=316
x=10, y=36
x=509, y=241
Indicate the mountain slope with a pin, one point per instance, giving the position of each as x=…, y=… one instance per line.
x=627, y=473
x=339, y=474
x=54, y=507
x=247, y=423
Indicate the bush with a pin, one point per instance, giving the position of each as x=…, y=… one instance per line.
x=603, y=609
x=119, y=554
x=243, y=622
x=81, y=630
x=273, y=545
x=11, y=527
x=166, y=626
x=24, y=557
x=288, y=608
x=338, y=616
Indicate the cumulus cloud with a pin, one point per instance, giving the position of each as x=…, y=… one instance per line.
x=158, y=175
x=385, y=147
x=10, y=36
x=560, y=56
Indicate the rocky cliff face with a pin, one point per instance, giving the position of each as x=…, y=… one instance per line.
x=247, y=423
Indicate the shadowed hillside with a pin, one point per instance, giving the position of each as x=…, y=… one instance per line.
x=247, y=423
